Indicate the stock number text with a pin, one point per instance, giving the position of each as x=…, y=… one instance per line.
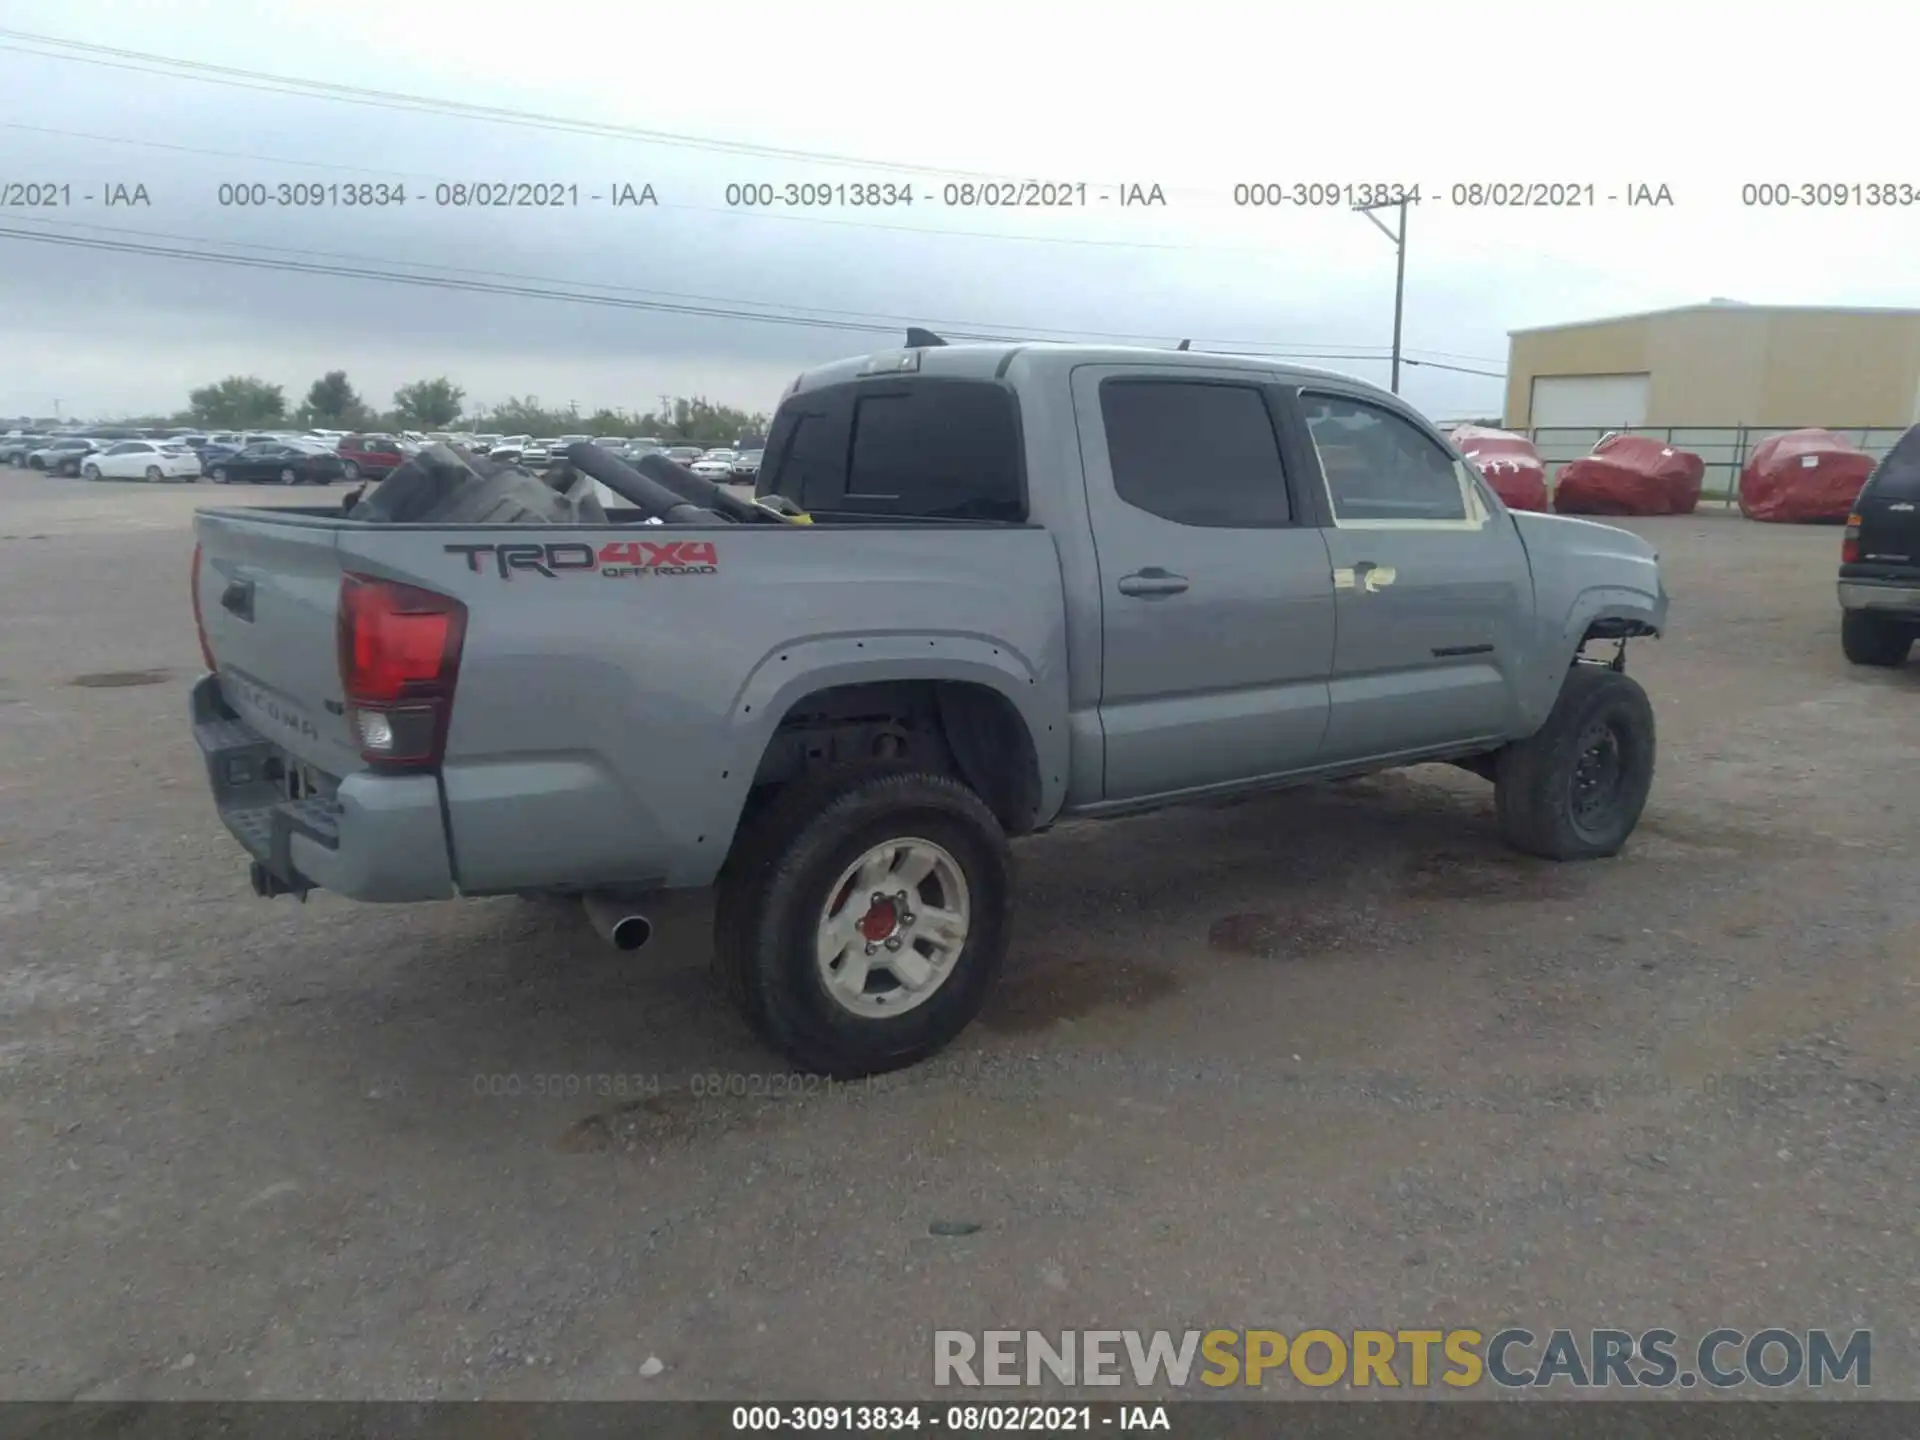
x=820, y=195
x=1272, y=194
x=1823, y=194
x=301, y=194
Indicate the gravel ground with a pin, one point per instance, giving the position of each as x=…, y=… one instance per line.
x=1330, y=1058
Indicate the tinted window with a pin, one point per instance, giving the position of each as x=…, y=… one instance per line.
x=1379, y=467
x=1195, y=453
x=813, y=465
x=1898, y=475
x=939, y=449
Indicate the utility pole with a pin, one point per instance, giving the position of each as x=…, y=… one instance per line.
x=1399, y=269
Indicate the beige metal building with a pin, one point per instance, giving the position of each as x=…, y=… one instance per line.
x=1719, y=364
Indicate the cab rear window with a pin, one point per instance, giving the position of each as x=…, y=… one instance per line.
x=910, y=448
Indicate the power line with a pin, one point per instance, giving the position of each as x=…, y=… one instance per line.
x=736, y=212
x=473, y=286
x=671, y=302
x=391, y=174
x=145, y=62
x=364, y=266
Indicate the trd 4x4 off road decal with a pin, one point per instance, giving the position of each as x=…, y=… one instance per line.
x=617, y=559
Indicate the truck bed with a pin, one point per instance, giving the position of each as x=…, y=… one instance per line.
x=618, y=683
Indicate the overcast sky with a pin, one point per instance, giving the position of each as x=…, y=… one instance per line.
x=1193, y=97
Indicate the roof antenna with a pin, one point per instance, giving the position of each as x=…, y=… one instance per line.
x=1184, y=345
x=918, y=339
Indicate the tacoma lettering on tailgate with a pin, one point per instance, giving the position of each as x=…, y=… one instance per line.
x=616, y=559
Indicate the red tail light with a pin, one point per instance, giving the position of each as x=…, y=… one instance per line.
x=399, y=660
x=199, y=623
x=1850, y=542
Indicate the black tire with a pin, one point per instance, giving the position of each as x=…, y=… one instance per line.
x=289, y=475
x=352, y=471
x=90, y=472
x=1870, y=639
x=774, y=890
x=1574, y=789
x=154, y=477
x=218, y=474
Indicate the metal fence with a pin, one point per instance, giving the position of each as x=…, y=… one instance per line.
x=1724, y=448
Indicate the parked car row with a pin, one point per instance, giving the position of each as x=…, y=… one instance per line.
x=323, y=456
x=221, y=456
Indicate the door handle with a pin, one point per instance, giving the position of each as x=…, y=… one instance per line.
x=1151, y=582
x=1366, y=575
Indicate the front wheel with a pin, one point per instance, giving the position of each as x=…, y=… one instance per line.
x=289, y=476
x=352, y=472
x=1869, y=639
x=1574, y=789
x=91, y=472
x=219, y=474
x=154, y=477
x=863, y=918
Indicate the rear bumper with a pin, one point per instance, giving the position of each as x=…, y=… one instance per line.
x=378, y=837
x=1890, y=597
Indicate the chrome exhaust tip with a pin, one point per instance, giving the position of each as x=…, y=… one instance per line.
x=617, y=922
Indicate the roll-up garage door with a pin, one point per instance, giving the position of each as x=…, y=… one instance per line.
x=1610, y=402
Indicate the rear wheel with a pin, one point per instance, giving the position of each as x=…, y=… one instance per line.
x=1869, y=639
x=289, y=476
x=352, y=472
x=1574, y=789
x=863, y=918
x=92, y=472
x=219, y=474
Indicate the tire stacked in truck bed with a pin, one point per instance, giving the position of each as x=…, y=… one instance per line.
x=443, y=485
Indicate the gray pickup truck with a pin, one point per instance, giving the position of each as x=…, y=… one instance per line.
x=1034, y=582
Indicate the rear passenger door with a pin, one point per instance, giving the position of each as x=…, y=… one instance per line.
x=1432, y=586
x=1215, y=593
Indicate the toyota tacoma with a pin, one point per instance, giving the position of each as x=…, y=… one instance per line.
x=980, y=589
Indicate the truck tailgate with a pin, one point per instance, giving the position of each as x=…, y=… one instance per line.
x=269, y=603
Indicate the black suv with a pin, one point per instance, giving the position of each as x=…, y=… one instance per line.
x=1880, y=561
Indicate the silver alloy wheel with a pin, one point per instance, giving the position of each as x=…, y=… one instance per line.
x=219, y=474
x=92, y=472
x=154, y=477
x=288, y=477
x=894, y=924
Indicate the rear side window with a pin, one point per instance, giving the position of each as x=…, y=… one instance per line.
x=1898, y=475
x=1195, y=453
x=920, y=448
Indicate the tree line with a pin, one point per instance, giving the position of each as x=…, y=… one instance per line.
x=247, y=402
